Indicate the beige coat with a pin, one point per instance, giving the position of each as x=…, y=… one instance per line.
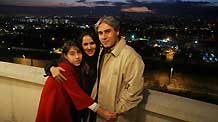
x=121, y=82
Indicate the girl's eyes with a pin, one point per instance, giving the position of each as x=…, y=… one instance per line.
x=79, y=51
x=72, y=53
x=75, y=52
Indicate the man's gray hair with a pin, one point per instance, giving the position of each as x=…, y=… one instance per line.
x=110, y=20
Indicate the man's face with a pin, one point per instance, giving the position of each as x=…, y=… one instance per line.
x=107, y=35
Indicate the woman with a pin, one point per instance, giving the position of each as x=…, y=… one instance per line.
x=59, y=102
x=90, y=45
x=90, y=48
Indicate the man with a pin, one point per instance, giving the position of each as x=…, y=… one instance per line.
x=120, y=82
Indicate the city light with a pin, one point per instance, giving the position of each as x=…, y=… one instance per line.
x=132, y=37
x=176, y=49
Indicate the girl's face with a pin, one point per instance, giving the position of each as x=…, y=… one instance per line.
x=74, y=56
x=88, y=45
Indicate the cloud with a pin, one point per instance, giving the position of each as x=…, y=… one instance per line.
x=65, y=4
x=81, y=1
x=90, y=4
x=137, y=10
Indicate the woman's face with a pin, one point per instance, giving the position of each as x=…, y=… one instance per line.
x=74, y=56
x=88, y=45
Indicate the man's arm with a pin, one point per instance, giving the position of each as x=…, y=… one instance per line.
x=132, y=93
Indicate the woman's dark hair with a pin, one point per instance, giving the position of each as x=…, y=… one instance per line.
x=93, y=35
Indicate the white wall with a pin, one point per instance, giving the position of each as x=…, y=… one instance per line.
x=21, y=85
x=20, y=90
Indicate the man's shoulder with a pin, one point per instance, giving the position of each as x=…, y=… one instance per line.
x=130, y=51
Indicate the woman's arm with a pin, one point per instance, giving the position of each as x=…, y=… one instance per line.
x=51, y=69
x=49, y=65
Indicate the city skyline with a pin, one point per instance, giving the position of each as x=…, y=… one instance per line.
x=178, y=41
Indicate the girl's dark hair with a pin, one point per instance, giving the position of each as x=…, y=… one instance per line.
x=68, y=44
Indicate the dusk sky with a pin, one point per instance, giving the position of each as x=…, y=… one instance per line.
x=70, y=2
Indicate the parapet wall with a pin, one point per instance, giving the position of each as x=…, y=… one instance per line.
x=21, y=87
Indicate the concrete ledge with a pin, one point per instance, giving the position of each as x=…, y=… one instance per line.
x=180, y=108
x=21, y=87
x=22, y=72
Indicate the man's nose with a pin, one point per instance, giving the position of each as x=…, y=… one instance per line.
x=104, y=36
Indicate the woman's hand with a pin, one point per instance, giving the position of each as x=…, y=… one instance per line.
x=56, y=73
x=107, y=115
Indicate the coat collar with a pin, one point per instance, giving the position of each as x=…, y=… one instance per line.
x=118, y=47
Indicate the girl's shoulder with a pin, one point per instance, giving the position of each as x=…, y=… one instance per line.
x=66, y=66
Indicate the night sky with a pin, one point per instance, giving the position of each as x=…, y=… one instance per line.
x=72, y=2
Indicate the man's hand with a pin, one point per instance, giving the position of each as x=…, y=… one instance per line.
x=107, y=115
x=56, y=73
